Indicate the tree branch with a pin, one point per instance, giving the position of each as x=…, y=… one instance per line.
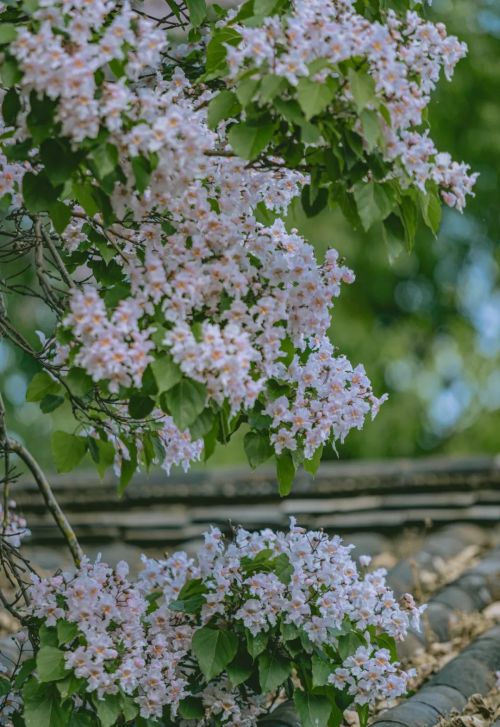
x=50, y=500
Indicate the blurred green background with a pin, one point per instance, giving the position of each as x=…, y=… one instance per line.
x=426, y=322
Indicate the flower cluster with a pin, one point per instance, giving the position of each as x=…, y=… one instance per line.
x=177, y=448
x=66, y=71
x=178, y=250
x=10, y=703
x=13, y=527
x=11, y=174
x=330, y=396
x=403, y=59
x=116, y=349
x=146, y=639
x=206, y=267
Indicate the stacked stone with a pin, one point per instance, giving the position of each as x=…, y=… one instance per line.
x=473, y=671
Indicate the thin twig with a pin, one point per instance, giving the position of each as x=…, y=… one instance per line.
x=3, y=439
x=57, y=259
x=40, y=268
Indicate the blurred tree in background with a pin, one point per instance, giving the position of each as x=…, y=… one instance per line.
x=426, y=322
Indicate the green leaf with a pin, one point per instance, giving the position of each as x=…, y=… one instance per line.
x=59, y=160
x=130, y=709
x=27, y=668
x=264, y=7
x=392, y=233
x=51, y=402
x=260, y=563
x=127, y=471
x=257, y=448
x=197, y=11
x=158, y=336
x=214, y=649
x=385, y=641
x=38, y=192
x=84, y=194
x=142, y=173
x=50, y=664
x=371, y=129
x=148, y=382
x=348, y=644
x=8, y=33
x=191, y=708
x=291, y=111
x=19, y=152
x=313, y=201
x=288, y=348
x=216, y=48
x=185, y=401
x=11, y=106
x=10, y=71
x=60, y=214
x=105, y=159
x=79, y=381
x=117, y=67
x=166, y=372
x=40, y=120
x=408, y=214
x=256, y=644
x=68, y=450
x=108, y=709
x=314, y=97
x=373, y=203
x=210, y=441
x=362, y=88
x=311, y=465
x=193, y=587
x=313, y=710
x=285, y=471
x=191, y=597
x=246, y=90
x=142, y=721
x=140, y=406
x=431, y=207
x=48, y=636
x=249, y=138
x=103, y=454
x=82, y=719
x=321, y=670
x=258, y=421
x=71, y=685
x=148, y=448
x=174, y=7
x=270, y=87
x=104, y=205
x=43, y=706
x=282, y=568
x=273, y=670
x=240, y=669
x=40, y=385
x=224, y=106
x=188, y=605
x=5, y=686
x=203, y=424
x=66, y=631
x=109, y=275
